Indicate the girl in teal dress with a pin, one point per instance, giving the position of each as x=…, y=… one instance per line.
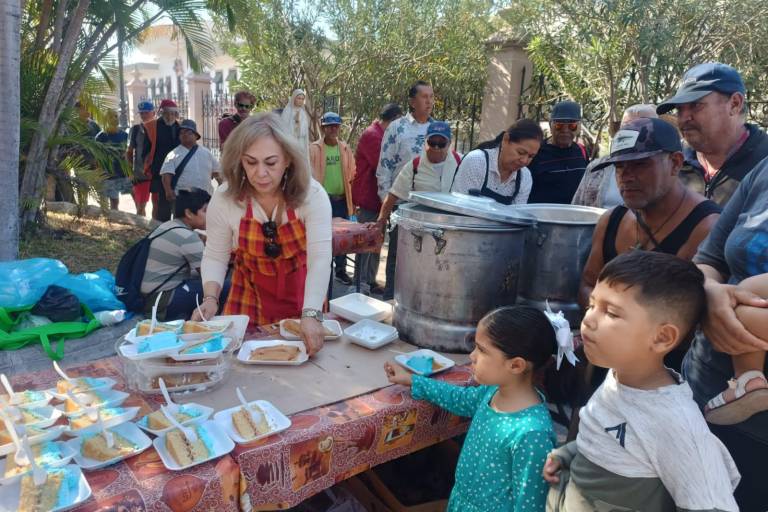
x=501, y=462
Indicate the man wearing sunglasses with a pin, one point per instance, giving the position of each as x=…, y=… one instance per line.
x=333, y=165
x=431, y=171
x=162, y=137
x=244, y=103
x=559, y=165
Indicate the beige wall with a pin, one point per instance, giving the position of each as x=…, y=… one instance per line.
x=502, y=90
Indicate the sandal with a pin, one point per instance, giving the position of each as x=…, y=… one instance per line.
x=720, y=411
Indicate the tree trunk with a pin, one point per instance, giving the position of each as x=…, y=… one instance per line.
x=10, y=112
x=33, y=182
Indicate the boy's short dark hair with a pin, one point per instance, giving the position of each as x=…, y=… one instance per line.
x=191, y=200
x=663, y=282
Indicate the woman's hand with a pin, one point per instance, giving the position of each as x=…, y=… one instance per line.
x=398, y=375
x=312, y=334
x=721, y=326
x=551, y=472
x=208, y=307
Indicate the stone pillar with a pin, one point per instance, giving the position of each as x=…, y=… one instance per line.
x=198, y=85
x=137, y=91
x=509, y=73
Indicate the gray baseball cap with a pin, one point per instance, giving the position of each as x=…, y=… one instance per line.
x=642, y=138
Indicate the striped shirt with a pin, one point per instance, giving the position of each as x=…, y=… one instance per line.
x=170, y=251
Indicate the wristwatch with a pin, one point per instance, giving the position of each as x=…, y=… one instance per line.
x=312, y=313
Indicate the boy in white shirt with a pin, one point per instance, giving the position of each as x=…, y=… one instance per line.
x=643, y=444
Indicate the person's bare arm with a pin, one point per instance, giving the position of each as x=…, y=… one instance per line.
x=595, y=261
x=386, y=208
x=755, y=320
x=169, y=193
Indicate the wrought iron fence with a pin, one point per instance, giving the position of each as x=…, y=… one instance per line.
x=215, y=107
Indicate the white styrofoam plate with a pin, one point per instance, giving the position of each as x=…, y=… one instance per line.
x=48, y=416
x=446, y=363
x=66, y=455
x=128, y=430
x=276, y=420
x=128, y=414
x=46, y=435
x=133, y=337
x=222, y=445
x=356, y=307
x=205, y=413
x=249, y=346
x=131, y=351
x=10, y=495
x=108, y=398
x=181, y=356
x=371, y=334
x=95, y=383
x=332, y=325
x=47, y=396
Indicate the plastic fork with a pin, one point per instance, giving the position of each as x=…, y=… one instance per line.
x=13, y=412
x=39, y=474
x=189, y=433
x=8, y=388
x=172, y=407
x=20, y=456
x=153, y=324
x=61, y=373
x=108, y=437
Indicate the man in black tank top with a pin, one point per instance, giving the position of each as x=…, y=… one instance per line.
x=659, y=212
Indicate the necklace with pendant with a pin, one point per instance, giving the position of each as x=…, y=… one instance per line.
x=640, y=223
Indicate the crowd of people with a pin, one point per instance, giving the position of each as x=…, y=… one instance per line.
x=674, y=288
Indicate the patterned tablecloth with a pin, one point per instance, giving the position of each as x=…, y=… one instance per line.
x=323, y=446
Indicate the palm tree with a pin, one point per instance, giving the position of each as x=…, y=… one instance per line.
x=67, y=42
x=10, y=22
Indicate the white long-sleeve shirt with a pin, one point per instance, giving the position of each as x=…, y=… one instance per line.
x=223, y=227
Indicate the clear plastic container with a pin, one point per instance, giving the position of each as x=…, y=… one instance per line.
x=179, y=376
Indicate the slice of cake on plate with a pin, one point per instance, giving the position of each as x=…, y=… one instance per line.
x=45, y=497
x=45, y=454
x=85, y=421
x=79, y=385
x=25, y=397
x=245, y=425
x=185, y=452
x=95, y=447
x=158, y=421
x=275, y=353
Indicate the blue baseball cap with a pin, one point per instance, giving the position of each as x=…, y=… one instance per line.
x=146, y=106
x=440, y=128
x=701, y=80
x=330, y=119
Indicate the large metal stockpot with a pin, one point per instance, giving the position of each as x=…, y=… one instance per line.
x=451, y=270
x=556, y=250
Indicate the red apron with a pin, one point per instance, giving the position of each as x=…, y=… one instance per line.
x=268, y=289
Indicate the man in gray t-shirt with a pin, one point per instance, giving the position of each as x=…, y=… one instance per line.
x=737, y=248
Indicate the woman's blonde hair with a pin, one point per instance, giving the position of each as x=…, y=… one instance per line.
x=297, y=176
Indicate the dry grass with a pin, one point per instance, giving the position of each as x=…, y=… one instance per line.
x=83, y=245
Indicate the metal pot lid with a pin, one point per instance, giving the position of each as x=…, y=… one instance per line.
x=563, y=214
x=474, y=206
x=424, y=214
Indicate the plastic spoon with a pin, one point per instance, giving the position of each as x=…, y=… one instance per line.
x=61, y=373
x=91, y=411
x=247, y=407
x=153, y=324
x=108, y=437
x=7, y=385
x=20, y=456
x=14, y=412
x=197, y=301
x=172, y=407
x=39, y=475
x=189, y=433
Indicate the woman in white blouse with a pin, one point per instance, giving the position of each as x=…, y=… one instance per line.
x=497, y=168
x=277, y=221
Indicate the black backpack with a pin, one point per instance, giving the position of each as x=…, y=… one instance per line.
x=130, y=272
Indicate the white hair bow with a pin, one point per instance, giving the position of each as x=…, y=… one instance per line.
x=563, y=335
